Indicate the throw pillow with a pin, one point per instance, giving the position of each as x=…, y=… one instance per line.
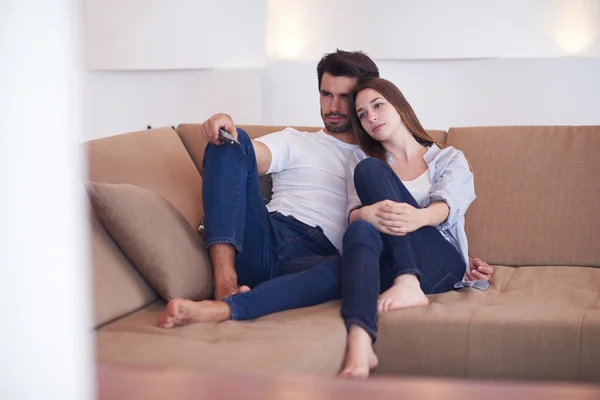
x=157, y=239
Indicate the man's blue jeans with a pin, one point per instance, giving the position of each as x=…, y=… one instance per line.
x=287, y=263
x=372, y=260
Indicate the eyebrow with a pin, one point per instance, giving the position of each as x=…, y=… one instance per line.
x=371, y=102
x=328, y=92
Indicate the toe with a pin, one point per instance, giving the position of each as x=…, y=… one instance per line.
x=244, y=289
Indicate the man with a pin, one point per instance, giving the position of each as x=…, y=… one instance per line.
x=255, y=246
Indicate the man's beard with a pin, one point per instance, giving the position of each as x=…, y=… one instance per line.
x=338, y=128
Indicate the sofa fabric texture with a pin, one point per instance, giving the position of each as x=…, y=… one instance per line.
x=536, y=220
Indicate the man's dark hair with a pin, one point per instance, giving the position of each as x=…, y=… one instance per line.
x=347, y=63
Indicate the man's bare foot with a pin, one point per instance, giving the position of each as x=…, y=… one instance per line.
x=360, y=358
x=223, y=291
x=406, y=292
x=185, y=312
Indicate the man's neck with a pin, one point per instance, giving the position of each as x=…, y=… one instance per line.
x=345, y=137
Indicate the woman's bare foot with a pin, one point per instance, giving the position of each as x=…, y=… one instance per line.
x=406, y=292
x=185, y=312
x=360, y=358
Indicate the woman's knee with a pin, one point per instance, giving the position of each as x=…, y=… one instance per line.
x=369, y=168
x=362, y=233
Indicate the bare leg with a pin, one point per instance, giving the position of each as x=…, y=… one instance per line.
x=406, y=292
x=186, y=312
x=360, y=357
x=222, y=257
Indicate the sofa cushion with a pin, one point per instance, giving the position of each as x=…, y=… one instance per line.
x=537, y=194
x=532, y=323
x=308, y=340
x=166, y=250
x=119, y=289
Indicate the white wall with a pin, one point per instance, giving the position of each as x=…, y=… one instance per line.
x=459, y=63
x=125, y=101
x=174, y=34
x=558, y=91
x=45, y=342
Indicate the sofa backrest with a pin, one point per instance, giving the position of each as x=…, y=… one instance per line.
x=537, y=194
x=154, y=159
x=195, y=144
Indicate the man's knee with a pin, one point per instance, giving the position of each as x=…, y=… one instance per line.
x=243, y=137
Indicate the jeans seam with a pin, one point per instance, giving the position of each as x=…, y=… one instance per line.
x=238, y=190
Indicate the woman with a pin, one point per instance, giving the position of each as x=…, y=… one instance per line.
x=407, y=200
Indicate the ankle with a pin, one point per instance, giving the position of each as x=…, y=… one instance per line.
x=407, y=279
x=357, y=333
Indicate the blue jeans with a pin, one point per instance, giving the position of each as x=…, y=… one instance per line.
x=287, y=263
x=372, y=260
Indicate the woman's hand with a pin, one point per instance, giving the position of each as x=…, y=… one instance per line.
x=393, y=218
x=479, y=270
x=369, y=214
x=400, y=218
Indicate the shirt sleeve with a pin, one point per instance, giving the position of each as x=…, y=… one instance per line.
x=353, y=199
x=281, y=146
x=455, y=187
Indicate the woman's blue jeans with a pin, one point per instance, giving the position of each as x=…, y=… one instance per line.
x=372, y=260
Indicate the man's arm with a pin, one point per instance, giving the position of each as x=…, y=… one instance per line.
x=263, y=156
x=210, y=131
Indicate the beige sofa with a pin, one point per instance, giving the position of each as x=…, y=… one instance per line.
x=536, y=219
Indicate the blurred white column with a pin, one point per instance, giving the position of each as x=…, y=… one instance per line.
x=45, y=341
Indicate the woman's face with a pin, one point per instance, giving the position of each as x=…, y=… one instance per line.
x=377, y=117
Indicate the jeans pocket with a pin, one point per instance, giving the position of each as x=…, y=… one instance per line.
x=322, y=242
x=445, y=284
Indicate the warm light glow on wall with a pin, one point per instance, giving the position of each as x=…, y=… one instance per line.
x=289, y=29
x=578, y=26
x=302, y=30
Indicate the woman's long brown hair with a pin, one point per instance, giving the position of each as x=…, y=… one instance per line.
x=395, y=97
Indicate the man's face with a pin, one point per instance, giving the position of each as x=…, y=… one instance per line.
x=335, y=97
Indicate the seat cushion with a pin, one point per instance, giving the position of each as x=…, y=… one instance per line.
x=533, y=322
x=304, y=340
x=166, y=250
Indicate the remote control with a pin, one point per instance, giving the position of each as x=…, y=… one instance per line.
x=227, y=138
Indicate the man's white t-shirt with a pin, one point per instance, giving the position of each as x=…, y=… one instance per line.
x=309, y=179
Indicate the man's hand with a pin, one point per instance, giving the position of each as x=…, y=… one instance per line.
x=210, y=128
x=226, y=290
x=479, y=270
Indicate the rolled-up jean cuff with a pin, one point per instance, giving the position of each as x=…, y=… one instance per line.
x=232, y=309
x=223, y=239
x=414, y=272
x=370, y=331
